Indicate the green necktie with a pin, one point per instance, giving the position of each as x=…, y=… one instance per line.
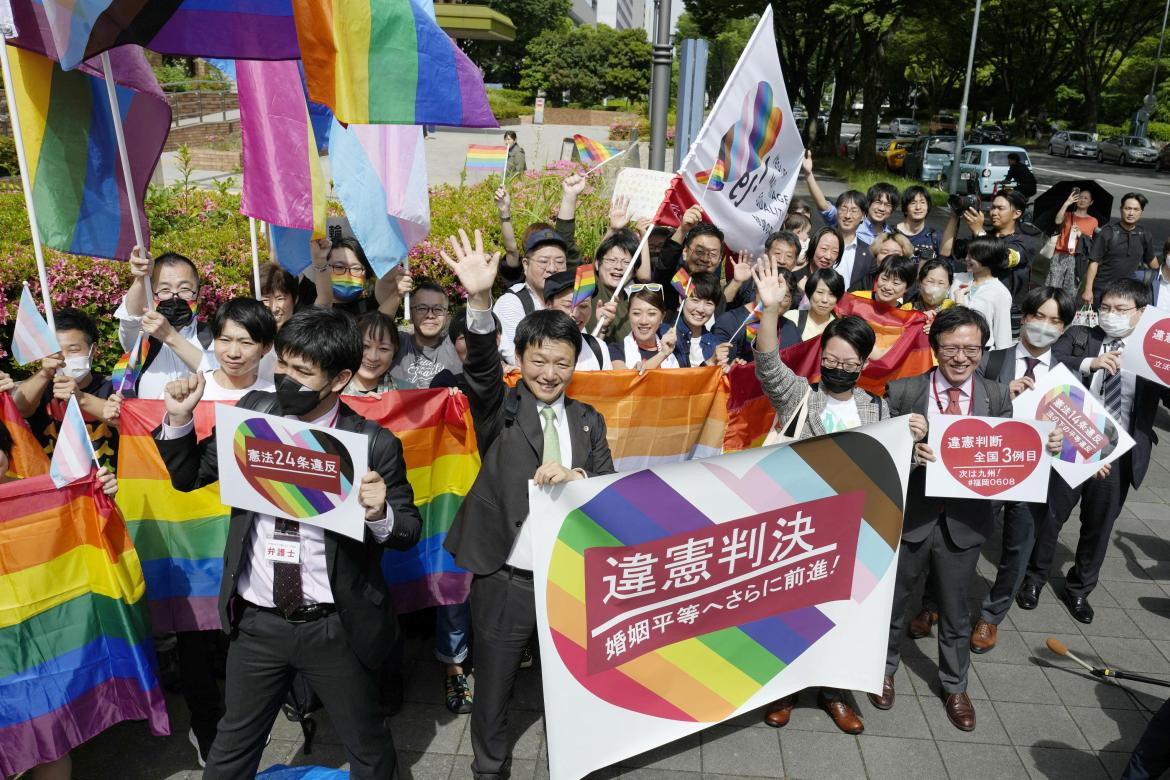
x=552, y=440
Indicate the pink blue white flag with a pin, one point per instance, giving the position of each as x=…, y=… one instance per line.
x=73, y=454
x=32, y=339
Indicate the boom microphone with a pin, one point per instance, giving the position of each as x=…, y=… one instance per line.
x=1060, y=648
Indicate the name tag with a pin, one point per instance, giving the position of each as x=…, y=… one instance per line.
x=282, y=548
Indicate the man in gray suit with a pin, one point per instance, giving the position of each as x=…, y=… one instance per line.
x=943, y=533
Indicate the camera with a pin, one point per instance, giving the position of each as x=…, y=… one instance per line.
x=924, y=253
x=961, y=202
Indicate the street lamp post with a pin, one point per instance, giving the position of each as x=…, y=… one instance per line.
x=954, y=183
x=1151, y=101
x=660, y=88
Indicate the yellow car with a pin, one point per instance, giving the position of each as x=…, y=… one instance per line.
x=896, y=154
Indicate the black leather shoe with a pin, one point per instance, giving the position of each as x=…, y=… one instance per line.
x=1029, y=596
x=1078, y=606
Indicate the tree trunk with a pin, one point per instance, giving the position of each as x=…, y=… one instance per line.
x=871, y=108
x=832, y=141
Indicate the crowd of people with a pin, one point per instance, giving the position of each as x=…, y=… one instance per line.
x=305, y=344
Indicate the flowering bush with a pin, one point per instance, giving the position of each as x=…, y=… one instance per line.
x=206, y=226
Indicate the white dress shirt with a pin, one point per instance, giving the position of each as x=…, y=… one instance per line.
x=166, y=366
x=214, y=391
x=256, y=573
x=1040, y=370
x=845, y=263
x=938, y=395
x=1128, y=381
x=587, y=359
x=510, y=310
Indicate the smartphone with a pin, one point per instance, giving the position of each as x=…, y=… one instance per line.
x=334, y=232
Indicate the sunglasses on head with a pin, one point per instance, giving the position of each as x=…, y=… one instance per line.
x=653, y=287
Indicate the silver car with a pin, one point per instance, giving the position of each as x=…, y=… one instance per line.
x=929, y=158
x=904, y=126
x=1072, y=143
x=987, y=164
x=1127, y=150
x=882, y=146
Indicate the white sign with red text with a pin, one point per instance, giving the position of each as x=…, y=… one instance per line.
x=988, y=457
x=1147, y=351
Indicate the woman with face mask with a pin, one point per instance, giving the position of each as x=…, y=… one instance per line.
x=345, y=280
x=835, y=403
x=934, y=285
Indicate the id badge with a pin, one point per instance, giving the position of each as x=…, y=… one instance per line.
x=282, y=548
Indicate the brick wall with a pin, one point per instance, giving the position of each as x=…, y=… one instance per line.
x=191, y=104
x=200, y=134
x=582, y=116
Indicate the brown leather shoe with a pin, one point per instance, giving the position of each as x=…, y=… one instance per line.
x=886, y=700
x=921, y=624
x=842, y=714
x=983, y=637
x=780, y=711
x=961, y=711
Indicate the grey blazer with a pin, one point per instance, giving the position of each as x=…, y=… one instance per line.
x=786, y=390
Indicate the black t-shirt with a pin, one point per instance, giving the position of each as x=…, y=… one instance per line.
x=1022, y=176
x=46, y=420
x=1119, y=252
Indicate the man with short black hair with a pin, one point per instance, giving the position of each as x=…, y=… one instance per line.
x=558, y=292
x=425, y=352
x=1119, y=249
x=545, y=253
x=695, y=245
x=530, y=432
x=327, y=614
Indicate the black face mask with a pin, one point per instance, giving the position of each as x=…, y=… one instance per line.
x=295, y=398
x=177, y=311
x=838, y=380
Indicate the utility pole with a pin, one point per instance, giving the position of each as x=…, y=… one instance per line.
x=660, y=88
x=962, y=128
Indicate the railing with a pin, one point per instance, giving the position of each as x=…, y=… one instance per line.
x=194, y=99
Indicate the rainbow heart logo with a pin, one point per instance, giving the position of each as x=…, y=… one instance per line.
x=304, y=474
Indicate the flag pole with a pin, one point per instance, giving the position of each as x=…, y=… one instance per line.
x=637, y=258
x=255, y=255
x=26, y=186
x=127, y=175
x=683, y=301
x=603, y=162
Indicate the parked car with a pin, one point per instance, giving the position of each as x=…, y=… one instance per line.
x=987, y=164
x=904, y=126
x=883, y=143
x=943, y=124
x=988, y=134
x=896, y=153
x=1127, y=150
x=1072, y=143
x=929, y=158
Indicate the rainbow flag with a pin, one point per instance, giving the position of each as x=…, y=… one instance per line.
x=714, y=178
x=27, y=459
x=82, y=201
x=750, y=415
x=180, y=537
x=487, y=157
x=128, y=369
x=593, y=152
x=31, y=337
x=283, y=183
x=76, y=654
x=752, y=327
x=442, y=459
x=388, y=62
x=899, y=331
x=681, y=281
x=585, y=284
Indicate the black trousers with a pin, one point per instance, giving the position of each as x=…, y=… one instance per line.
x=1101, y=502
x=951, y=570
x=1019, y=536
x=197, y=650
x=503, y=616
x=265, y=652
x=1151, y=757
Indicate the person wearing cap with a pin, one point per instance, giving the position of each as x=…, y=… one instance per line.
x=558, y=292
x=545, y=253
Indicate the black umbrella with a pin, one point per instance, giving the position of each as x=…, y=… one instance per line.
x=1046, y=205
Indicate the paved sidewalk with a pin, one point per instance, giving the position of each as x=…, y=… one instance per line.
x=1039, y=716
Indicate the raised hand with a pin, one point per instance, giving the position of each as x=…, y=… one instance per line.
x=157, y=326
x=741, y=266
x=668, y=341
x=474, y=268
x=573, y=185
x=6, y=383
x=64, y=387
x=619, y=212
x=50, y=365
x=141, y=266
x=319, y=252
x=503, y=202
x=771, y=289
x=806, y=163
x=692, y=217
x=181, y=396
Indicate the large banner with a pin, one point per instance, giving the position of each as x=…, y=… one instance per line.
x=676, y=597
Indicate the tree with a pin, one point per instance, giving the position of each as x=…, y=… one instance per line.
x=588, y=64
x=628, y=58
x=501, y=62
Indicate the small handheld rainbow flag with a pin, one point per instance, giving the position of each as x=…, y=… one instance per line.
x=128, y=369
x=585, y=285
x=487, y=157
x=681, y=281
x=714, y=178
x=593, y=152
x=752, y=323
x=31, y=338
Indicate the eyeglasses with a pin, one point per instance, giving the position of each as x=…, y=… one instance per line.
x=652, y=287
x=951, y=350
x=703, y=254
x=1115, y=309
x=849, y=210
x=620, y=262
x=545, y=261
x=352, y=270
x=183, y=293
x=828, y=361
x=428, y=311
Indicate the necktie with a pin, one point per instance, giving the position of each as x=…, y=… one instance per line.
x=286, y=577
x=953, y=401
x=1030, y=364
x=552, y=439
x=1111, y=386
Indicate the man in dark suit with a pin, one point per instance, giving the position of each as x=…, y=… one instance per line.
x=945, y=534
x=1046, y=311
x=1095, y=355
x=531, y=432
x=326, y=615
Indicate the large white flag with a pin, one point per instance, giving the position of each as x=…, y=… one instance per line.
x=743, y=166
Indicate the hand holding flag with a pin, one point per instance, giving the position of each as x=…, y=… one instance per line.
x=585, y=285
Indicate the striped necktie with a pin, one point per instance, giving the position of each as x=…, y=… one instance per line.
x=1111, y=386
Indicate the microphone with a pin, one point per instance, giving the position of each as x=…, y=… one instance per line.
x=1060, y=648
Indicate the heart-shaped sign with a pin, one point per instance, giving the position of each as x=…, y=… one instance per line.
x=991, y=459
x=681, y=633
x=304, y=474
x=1156, y=347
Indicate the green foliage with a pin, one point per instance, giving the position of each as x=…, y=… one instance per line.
x=8, y=162
x=509, y=103
x=588, y=64
x=501, y=62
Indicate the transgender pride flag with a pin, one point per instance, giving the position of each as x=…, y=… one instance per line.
x=31, y=338
x=73, y=453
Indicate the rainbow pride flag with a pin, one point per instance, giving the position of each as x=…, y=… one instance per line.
x=76, y=654
x=585, y=284
x=388, y=62
x=128, y=369
x=714, y=178
x=593, y=152
x=681, y=281
x=27, y=459
x=487, y=157
x=82, y=201
x=442, y=459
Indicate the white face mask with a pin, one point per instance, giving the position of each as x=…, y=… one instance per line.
x=1116, y=326
x=933, y=293
x=1040, y=334
x=77, y=367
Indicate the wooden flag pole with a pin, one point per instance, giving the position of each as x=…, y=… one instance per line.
x=26, y=186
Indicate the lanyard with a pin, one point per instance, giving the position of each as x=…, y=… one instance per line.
x=938, y=400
